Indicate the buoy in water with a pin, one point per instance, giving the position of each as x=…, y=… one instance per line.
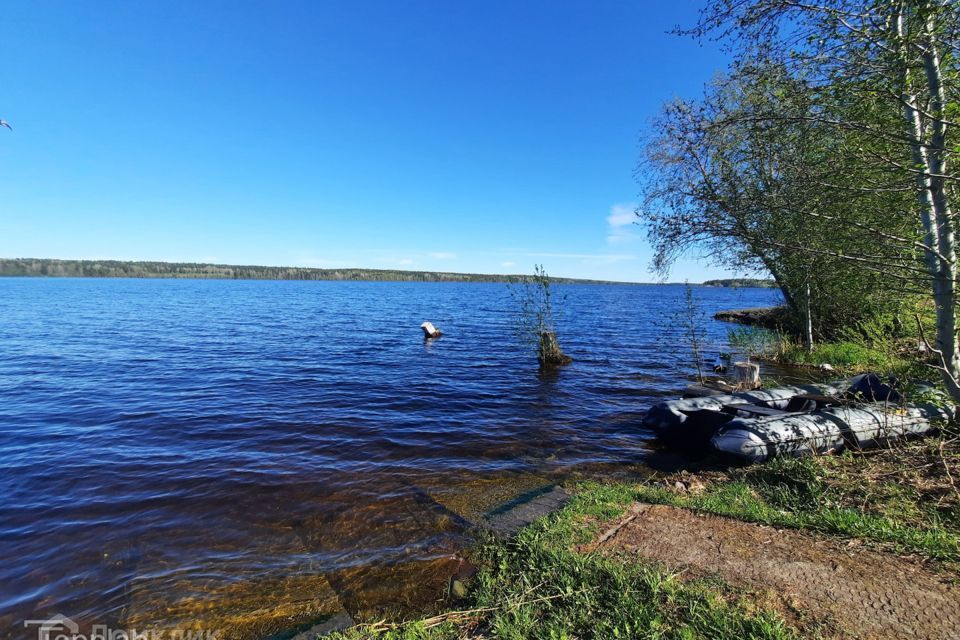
x=430, y=331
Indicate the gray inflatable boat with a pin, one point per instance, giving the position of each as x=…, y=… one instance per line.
x=693, y=421
x=825, y=431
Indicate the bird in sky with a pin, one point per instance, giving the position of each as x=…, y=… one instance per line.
x=4, y=123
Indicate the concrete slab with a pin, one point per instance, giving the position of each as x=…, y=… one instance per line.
x=512, y=517
x=338, y=622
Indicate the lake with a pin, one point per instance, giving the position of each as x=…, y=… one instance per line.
x=250, y=454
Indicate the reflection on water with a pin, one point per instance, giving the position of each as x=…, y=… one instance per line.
x=254, y=456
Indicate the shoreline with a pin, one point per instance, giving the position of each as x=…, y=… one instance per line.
x=773, y=318
x=726, y=552
x=154, y=270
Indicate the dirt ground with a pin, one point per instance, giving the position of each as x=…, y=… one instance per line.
x=867, y=594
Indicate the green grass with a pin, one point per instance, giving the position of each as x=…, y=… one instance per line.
x=849, y=356
x=539, y=586
x=805, y=494
x=878, y=352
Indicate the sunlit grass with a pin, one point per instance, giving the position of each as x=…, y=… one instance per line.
x=540, y=586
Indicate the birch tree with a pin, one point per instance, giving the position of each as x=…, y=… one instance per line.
x=753, y=193
x=882, y=76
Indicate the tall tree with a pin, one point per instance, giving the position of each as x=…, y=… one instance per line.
x=754, y=193
x=882, y=80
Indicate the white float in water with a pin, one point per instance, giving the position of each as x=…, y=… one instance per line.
x=430, y=331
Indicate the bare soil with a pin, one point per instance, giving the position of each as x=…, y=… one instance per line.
x=867, y=594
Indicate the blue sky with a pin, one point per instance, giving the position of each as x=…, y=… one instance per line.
x=480, y=136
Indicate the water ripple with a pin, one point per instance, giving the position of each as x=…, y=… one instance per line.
x=167, y=438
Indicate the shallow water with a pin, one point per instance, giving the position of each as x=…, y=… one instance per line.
x=249, y=454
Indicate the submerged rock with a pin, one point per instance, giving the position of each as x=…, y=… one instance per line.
x=458, y=589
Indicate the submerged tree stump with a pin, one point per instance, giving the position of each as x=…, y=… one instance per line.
x=746, y=375
x=548, y=351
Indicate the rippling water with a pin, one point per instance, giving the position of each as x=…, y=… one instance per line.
x=247, y=455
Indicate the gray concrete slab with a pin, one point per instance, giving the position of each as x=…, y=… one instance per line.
x=509, y=520
x=338, y=622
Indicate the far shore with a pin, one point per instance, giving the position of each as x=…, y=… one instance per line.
x=56, y=268
x=763, y=317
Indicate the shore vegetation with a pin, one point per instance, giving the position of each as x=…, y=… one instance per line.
x=537, y=317
x=764, y=283
x=36, y=267
x=540, y=585
x=825, y=157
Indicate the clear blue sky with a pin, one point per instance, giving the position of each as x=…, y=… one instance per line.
x=480, y=136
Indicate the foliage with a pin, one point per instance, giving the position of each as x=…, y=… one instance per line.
x=536, y=318
x=824, y=158
x=691, y=318
x=534, y=301
x=751, y=195
x=754, y=342
x=848, y=356
x=880, y=344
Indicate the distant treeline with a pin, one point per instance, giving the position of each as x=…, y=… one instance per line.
x=42, y=267
x=741, y=282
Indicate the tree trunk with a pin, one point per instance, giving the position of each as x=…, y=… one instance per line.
x=548, y=351
x=945, y=279
x=935, y=214
x=746, y=375
x=788, y=297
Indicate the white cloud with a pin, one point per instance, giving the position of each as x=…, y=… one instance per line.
x=620, y=222
x=622, y=214
x=442, y=255
x=405, y=261
x=508, y=263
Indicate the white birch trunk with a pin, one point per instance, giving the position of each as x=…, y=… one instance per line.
x=935, y=214
x=946, y=301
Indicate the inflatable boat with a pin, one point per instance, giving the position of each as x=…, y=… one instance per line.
x=692, y=422
x=753, y=426
x=828, y=430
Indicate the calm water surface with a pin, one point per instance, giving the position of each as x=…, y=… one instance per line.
x=249, y=455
